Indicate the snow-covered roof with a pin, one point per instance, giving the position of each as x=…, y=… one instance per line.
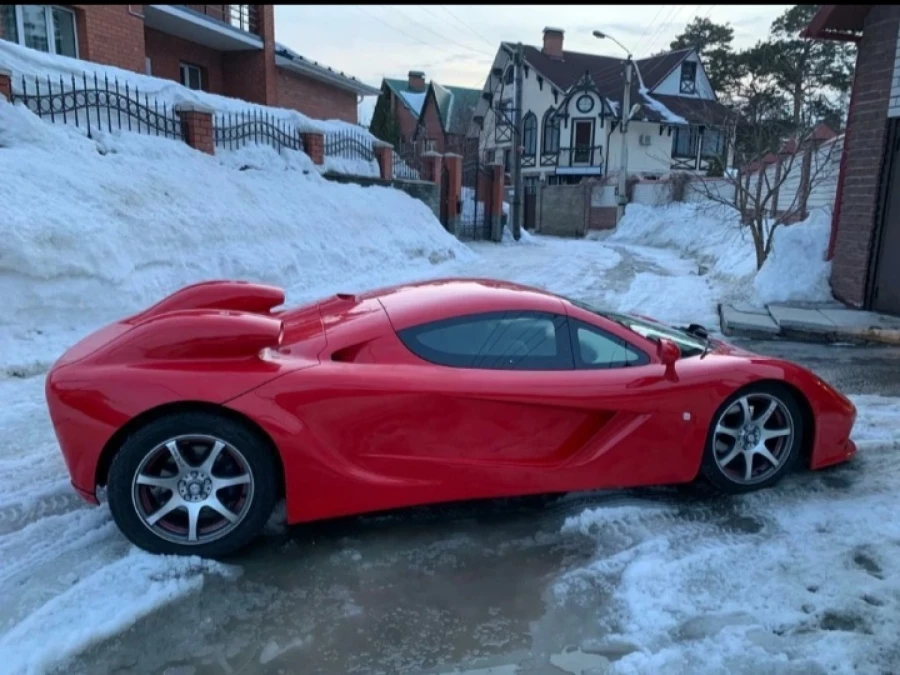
x=286, y=57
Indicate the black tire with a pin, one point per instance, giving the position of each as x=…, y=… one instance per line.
x=713, y=473
x=255, y=451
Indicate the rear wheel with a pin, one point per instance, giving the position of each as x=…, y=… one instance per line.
x=192, y=484
x=754, y=439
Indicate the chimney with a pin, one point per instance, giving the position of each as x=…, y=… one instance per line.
x=553, y=42
x=416, y=80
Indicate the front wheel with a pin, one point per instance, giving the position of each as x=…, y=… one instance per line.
x=754, y=439
x=192, y=484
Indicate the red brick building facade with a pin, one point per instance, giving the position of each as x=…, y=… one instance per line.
x=222, y=49
x=865, y=241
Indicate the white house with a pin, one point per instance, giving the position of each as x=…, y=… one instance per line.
x=571, y=111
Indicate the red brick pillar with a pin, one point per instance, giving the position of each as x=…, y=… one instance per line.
x=6, y=84
x=431, y=167
x=453, y=163
x=198, y=126
x=498, y=174
x=384, y=155
x=314, y=146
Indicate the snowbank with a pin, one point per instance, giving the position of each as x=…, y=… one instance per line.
x=796, y=270
x=31, y=63
x=103, y=227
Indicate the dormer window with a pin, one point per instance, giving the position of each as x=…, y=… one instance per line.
x=689, y=77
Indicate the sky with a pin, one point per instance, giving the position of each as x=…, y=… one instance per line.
x=455, y=44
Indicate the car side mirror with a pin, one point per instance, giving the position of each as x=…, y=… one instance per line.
x=668, y=352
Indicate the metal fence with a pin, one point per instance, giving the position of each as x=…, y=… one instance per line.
x=97, y=104
x=349, y=145
x=402, y=169
x=234, y=130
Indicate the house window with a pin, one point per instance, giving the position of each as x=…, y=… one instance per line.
x=44, y=27
x=582, y=136
x=191, y=76
x=713, y=143
x=510, y=74
x=429, y=145
x=148, y=66
x=507, y=160
x=685, y=141
x=689, y=77
x=529, y=134
x=550, y=138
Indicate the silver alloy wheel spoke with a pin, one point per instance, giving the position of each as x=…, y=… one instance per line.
x=730, y=457
x=774, y=433
x=745, y=410
x=763, y=452
x=207, y=465
x=748, y=466
x=189, y=510
x=728, y=431
x=169, y=483
x=174, y=502
x=177, y=456
x=221, y=483
x=773, y=405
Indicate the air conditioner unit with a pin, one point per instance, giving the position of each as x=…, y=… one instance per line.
x=645, y=139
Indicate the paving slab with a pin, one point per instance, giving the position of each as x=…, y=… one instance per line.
x=853, y=318
x=802, y=319
x=755, y=321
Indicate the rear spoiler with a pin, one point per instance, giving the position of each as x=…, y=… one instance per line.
x=209, y=320
x=238, y=296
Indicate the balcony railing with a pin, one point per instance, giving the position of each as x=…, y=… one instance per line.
x=581, y=155
x=242, y=17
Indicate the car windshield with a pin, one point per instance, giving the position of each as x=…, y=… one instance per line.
x=652, y=330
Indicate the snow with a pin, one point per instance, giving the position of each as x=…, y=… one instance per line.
x=31, y=63
x=141, y=216
x=796, y=269
x=414, y=100
x=710, y=235
x=351, y=166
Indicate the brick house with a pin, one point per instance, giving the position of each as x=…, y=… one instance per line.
x=434, y=115
x=865, y=236
x=222, y=49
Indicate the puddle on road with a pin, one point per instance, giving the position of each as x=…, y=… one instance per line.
x=418, y=591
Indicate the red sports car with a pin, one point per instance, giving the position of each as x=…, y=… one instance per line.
x=199, y=413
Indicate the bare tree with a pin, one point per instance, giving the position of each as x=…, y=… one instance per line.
x=773, y=178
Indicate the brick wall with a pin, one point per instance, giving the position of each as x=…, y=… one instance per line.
x=315, y=98
x=111, y=34
x=430, y=124
x=251, y=75
x=405, y=119
x=865, y=148
x=166, y=52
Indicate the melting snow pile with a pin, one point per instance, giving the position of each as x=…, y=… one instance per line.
x=795, y=271
x=95, y=229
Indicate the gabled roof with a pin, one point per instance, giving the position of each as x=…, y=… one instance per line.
x=844, y=23
x=285, y=57
x=606, y=72
x=454, y=104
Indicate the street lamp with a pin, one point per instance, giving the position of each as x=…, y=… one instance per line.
x=626, y=114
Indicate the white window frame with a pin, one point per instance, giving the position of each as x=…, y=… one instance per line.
x=182, y=67
x=51, y=37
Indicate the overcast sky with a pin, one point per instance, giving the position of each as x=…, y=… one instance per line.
x=455, y=44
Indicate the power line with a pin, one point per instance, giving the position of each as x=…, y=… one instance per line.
x=661, y=32
x=650, y=25
x=399, y=30
x=653, y=36
x=434, y=32
x=474, y=32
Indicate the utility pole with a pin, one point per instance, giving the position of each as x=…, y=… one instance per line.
x=517, y=146
x=621, y=197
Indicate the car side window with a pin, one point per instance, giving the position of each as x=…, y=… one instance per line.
x=508, y=340
x=595, y=348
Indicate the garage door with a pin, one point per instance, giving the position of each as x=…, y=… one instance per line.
x=886, y=288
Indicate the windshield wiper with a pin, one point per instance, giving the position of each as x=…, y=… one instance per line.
x=699, y=331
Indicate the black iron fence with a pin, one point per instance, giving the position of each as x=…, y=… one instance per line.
x=96, y=104
x=403, y=169
x=349, y=145
x=234, y=130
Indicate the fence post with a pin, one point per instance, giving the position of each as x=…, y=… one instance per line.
x=384, y=155
x=6, y=83
x=431, y=166
x=198, y=124
x=453, y=162
x=498, y=173
x=314, y=146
